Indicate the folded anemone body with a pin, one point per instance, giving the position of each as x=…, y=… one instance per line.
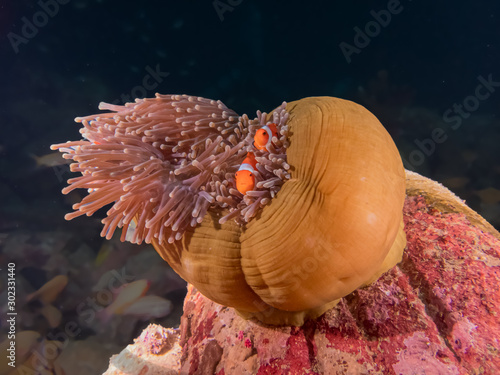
x=324, y=218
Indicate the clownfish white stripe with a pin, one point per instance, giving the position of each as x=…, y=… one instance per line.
x=246, y=167
x=268, y=131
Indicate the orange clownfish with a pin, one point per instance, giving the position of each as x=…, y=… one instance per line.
x=264, y=135
x=245, y=177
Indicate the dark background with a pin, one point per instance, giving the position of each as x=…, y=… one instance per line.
x=251, y=55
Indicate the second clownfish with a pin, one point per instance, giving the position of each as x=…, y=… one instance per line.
x=245, y=177
x=264, y=135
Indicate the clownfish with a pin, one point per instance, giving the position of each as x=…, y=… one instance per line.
x=245, y=177
x=263, y=135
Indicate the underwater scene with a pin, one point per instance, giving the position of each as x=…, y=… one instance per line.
x=241, y=187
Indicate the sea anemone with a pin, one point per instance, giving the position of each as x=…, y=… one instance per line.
x=165, y=161
x=325, y=217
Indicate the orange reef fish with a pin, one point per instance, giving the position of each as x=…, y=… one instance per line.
x=50, y=290
x=264, y=135
x=47, y=294
x=148, y=307
x=126, y=296
x=245, y=177
x=52, y=159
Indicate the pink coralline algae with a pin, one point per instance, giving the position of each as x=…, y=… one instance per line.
x=240, y=335
x=248, y=343
x=457, y=270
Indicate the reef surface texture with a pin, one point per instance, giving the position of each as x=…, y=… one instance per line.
x=437, y=312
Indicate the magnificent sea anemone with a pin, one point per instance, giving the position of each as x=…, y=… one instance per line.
x=324, y=217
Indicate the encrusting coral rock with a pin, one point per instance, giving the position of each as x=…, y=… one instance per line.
x=155, y=352
x=437, y=312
